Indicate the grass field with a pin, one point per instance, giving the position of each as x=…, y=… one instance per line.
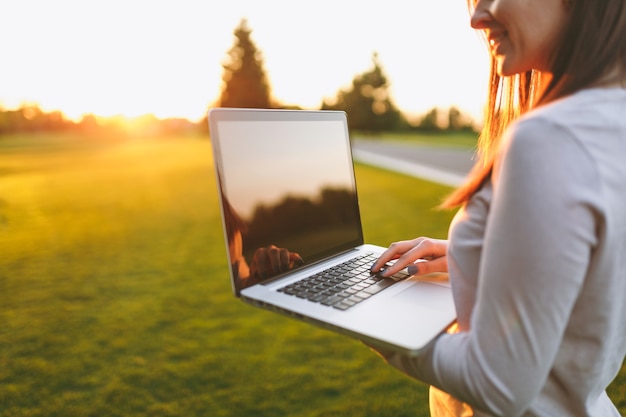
x=446, y=139
x=115, y=301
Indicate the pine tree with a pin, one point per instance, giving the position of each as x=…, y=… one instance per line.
x=430, y=121
x=457, y=121
x=367, y=103
x=245, y=81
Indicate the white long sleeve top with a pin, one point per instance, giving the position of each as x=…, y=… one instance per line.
x=537, y=263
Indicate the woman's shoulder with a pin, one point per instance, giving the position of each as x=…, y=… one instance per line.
x=575, y=123
x=581, y=110
x=539, y=129
x=550, y=139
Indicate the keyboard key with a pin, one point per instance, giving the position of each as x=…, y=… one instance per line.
x=343, y=286
x=379, y=286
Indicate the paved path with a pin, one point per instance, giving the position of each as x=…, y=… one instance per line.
x=444, y=165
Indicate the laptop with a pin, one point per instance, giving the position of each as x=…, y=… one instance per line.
x=293, y=232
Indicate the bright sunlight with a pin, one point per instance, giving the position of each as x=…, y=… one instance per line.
x=165, y=57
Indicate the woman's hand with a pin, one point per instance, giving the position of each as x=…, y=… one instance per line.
x=420, y=256
x=271, y=260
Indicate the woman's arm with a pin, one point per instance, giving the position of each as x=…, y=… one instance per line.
x=538, y=241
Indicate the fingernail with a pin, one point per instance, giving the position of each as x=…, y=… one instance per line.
x=372, y=267
x=411, y=269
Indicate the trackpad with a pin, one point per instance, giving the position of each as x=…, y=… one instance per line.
x=428, y=295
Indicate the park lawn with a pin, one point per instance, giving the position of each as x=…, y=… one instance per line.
x=461, y=139
x=114, y=296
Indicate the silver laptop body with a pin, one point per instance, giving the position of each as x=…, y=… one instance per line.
x=290, y=213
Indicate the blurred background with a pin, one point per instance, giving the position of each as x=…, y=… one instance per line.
x=172, y=60
x=114, y=290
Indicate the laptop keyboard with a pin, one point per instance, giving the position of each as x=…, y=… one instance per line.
x=344, y=285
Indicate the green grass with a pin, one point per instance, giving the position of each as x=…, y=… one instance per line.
x=115, y=301
x=465, y=140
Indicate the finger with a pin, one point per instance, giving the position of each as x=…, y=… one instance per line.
x=394, y=251
x=283, y=264
x=401, y=263
x=295, y=260
x=433, y=248
x=273, y=255
x=422, y=266
x=407, y=258
x=427, y=249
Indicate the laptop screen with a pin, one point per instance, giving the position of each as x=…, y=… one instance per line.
x=287, y=189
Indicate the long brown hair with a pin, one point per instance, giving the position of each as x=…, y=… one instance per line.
x=592, y=47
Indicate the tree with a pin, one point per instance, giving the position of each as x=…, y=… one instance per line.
x=367, y=103
x=457, y=121
x=245, y=81
x=430, y=121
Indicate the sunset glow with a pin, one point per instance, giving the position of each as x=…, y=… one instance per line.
x=164, y=57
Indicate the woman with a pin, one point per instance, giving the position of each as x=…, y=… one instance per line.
x=537, y=252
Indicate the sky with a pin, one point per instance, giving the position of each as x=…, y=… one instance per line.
x=250, y=180
x=134, y=57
